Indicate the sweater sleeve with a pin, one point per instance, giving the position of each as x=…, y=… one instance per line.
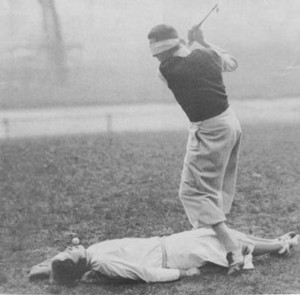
x=229, y=63
x=119, y=268
x=162, y=78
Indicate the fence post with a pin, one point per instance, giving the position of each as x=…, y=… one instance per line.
x=109, y=128
x=109, y=123
x=6, y=128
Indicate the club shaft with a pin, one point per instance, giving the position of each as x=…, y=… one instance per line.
x=206, y=17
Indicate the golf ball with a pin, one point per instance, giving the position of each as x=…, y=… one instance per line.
x=75, y=241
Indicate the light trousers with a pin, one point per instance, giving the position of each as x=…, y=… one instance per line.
x=210, y=167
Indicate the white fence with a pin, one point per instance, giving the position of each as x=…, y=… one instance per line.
x=150, y=117
x=92, y=119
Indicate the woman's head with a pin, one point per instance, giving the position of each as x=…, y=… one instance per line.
x=69, y=266
x=67, y=272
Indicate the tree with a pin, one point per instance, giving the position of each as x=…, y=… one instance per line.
x=55, y=48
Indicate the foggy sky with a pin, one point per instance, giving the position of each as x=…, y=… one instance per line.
x=112, y=35
x=100, y=24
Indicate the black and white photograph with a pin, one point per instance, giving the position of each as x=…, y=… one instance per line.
x=149, y=147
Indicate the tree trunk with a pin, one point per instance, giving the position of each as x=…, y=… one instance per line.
x=54, y=41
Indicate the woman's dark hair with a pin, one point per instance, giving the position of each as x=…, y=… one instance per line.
x=67, y=272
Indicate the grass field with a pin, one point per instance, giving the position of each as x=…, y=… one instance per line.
x=120, y=185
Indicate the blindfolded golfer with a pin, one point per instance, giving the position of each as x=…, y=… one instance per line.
x=210, y=165
x=155, y=259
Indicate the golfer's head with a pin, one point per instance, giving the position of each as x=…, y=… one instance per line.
x=69, y=266
x=164, y=41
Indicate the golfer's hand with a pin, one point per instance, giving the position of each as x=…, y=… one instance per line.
x=196, y=34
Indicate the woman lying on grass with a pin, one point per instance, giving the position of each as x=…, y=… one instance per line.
x=155, y=259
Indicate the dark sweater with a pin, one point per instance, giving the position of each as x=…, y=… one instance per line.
x=197, y=83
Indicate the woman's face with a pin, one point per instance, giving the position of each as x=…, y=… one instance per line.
x=74, y=252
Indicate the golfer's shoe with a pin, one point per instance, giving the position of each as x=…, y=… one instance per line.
x=290, y=240
x=236, y=259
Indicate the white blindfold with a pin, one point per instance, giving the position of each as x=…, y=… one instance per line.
x=162, y=46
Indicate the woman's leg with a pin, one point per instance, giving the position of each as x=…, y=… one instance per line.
x=267, y=247
x=258, y=239
x=281, y=245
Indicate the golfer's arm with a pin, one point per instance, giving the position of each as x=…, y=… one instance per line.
x=162, y=78
x=205, y=44
x=229, y=63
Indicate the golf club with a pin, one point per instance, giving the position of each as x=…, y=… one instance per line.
x=206, y=17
